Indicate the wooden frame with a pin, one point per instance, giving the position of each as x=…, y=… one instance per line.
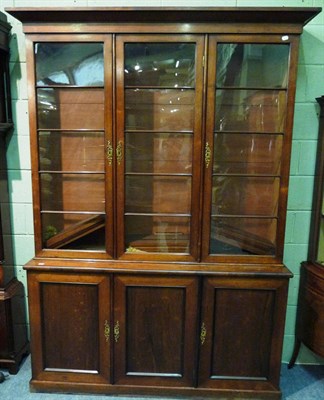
x=133, y=293
x=109, y=170
x=285, y=159
x=195, y=200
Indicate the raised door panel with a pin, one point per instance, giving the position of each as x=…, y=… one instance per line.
x=69, y=315
x=241, y=331
x=155, y=330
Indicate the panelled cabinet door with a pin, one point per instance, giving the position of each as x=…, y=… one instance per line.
x=241, y=333
x=70, y=331
x=159, y=104
x=247, y=145
x=155, y=331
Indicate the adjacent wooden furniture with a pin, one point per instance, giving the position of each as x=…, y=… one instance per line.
x=310, y=317
x=13, y=329
x=160, y=146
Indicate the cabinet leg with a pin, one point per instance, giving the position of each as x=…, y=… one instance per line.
x=2, y=377
x=295, y=353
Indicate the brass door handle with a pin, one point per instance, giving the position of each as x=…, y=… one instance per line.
x=203, y=333
x=207, y=154
x=107, y=331
x=119, y=152
x=116, y=331
x=109, y=152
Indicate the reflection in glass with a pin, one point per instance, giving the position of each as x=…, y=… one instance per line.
x=159, y=124
x=158, y=194
x=243, y=236
x=69, y=64
x=148, y=152
x=232, y=195
x=247, y=65
x=159, y=110
x=247, y=154
x=71, y=151
x=250, y=110
x=70, y=108
x=159, y=64
x=72, y=192
x=73, y=231
x=157, y=234
x=250, y=107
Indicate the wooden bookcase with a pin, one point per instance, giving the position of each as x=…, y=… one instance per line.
x=160, y=143
x=14, y=342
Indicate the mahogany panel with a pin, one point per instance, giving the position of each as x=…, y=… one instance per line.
x=240, y=334
x=242, y=342
x=69, y=326
x=151, y=349
x=69, y=315
x=71, y=151
x=70, y=108
x=157, y=321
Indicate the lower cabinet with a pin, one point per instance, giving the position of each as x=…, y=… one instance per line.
x=69, y=314
x=132, y=333
x=155, y=343
x=242, y=326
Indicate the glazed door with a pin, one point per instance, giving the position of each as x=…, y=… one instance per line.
x=72, y=93
x=241, y=333
x=155, y=330
x=247, y=147
x=70, y=327
x=159, y=125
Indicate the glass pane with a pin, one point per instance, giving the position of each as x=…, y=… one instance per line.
x=157, y=234
x=73, y=231
x=72, y=192
x=232, y=195
x=252, y=65
x=70, y=108
x=250, y=110
x=158, y=194
x=69, y=64
x=159, y=110
x=148, y=152
x=247, y=154
x=159, y=64
x=243, y=236
x=71, y=151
